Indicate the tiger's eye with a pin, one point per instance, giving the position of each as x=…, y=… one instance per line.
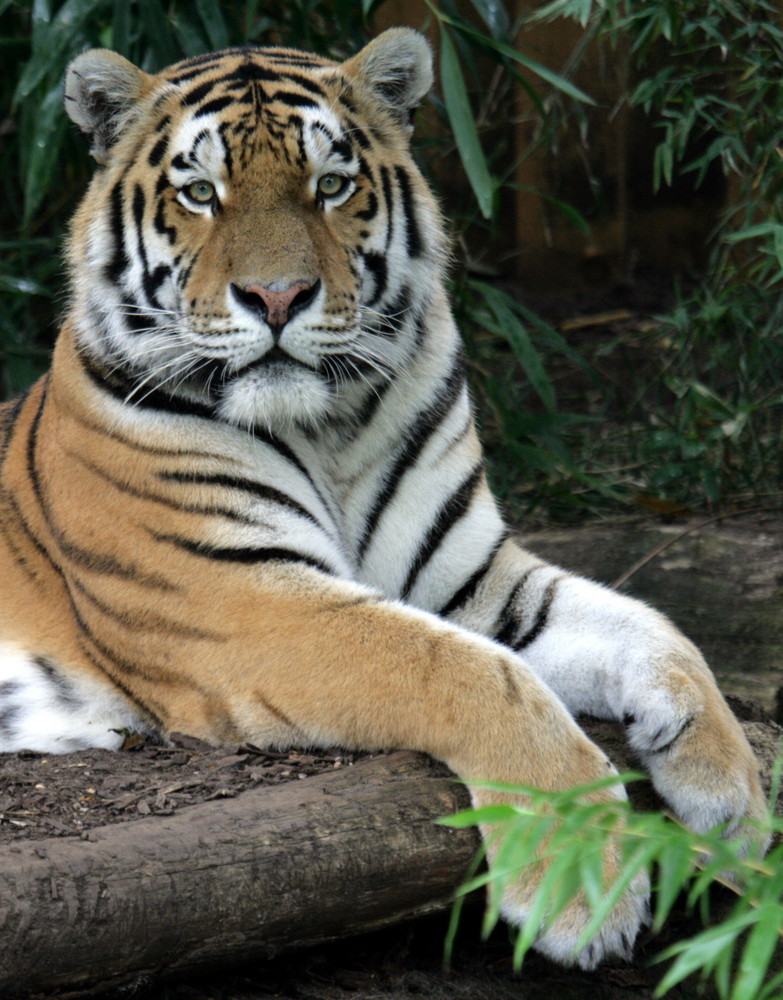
x=202, y=192
x=331, y=185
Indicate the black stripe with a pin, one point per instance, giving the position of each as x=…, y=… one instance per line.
x=179, y=162
x=358, y=134
x=262, y=434
x=12, y=541
x=137, y=320
x=197, y=94
x=156, y=399
x=139, y=202
x=114, y=435
x=542, y=616
x=250, y=72
x=260, y=490
x=9, y=414
x=507, y=621
x=93, y=561
x=119, y=259
x=197, y=65
x=395, y=314
x=28, y=532
x=291, y=56
x=413, y=233
x=375, y=263
x=161, y=226
x=293, y=100
x=217, y=104
x=146, y=620
x=424, y=427
x=468, y=589
x=228, y=157
x=305, y=82
x=372, y=207
x=123, y=487
x=246, y=554
x=32, y=442
x=158, y=151
x=373, y=400
x=667, y=746
x=144, y=708
x=153, y=280
x=149, y=671
x=455, y=508
x=343, y=149
x=387, y=197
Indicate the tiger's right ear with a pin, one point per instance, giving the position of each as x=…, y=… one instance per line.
x=101, y=89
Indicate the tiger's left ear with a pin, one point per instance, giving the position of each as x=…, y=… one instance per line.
x=397, y=68
x=101, y=90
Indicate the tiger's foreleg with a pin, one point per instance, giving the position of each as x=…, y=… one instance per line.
x=339, y=665
x=610, y=656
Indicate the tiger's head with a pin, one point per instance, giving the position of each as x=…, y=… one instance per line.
x=257, y=238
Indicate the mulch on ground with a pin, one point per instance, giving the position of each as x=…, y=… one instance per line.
x=49, y=795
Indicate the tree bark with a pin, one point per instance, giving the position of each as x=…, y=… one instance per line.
x=241, y=879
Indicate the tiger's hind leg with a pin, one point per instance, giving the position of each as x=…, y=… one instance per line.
x=44, y=709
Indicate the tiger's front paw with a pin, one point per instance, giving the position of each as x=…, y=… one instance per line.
x=563, y=939
x=544, y=858
x=700, y=761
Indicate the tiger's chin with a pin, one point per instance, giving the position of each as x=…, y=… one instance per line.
x=277, y=397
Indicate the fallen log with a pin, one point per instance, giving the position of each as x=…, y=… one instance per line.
x=229, y=881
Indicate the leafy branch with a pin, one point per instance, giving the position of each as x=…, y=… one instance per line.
x=576, y=835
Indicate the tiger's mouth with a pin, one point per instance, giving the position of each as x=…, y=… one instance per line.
x=276, y=361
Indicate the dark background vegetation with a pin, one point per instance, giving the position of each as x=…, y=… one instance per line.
x=649, y=382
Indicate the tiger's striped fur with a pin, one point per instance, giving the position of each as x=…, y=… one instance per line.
x=248, y=500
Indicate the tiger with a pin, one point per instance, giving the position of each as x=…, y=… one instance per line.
x=248, y=501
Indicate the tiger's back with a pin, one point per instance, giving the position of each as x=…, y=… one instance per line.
x=248, y=501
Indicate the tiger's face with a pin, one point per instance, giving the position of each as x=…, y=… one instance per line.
x=258, y=238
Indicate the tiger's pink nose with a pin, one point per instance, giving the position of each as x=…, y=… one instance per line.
x=274, y=306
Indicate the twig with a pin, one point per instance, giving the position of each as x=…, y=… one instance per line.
x=626, y=576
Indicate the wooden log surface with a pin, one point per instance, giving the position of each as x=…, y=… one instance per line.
x=230, y=880
x=244, y=879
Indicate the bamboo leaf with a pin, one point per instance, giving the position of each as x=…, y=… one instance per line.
x=121, y=28
x=46, y=139
x=23, y=286
x=757, y=953
x=703, y=950
x=512, y=330
x=494, y=14
x=461, y=119
x=369, y=6
x=555, y=79
x=214, y=23
x=472, y=817
x=158, y=32
x=189, y=35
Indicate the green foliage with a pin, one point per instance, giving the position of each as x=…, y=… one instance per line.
x=709, y=78
x=737, y=953
x=704, y=429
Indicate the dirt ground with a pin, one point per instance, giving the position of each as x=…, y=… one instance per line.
x=45, y=795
